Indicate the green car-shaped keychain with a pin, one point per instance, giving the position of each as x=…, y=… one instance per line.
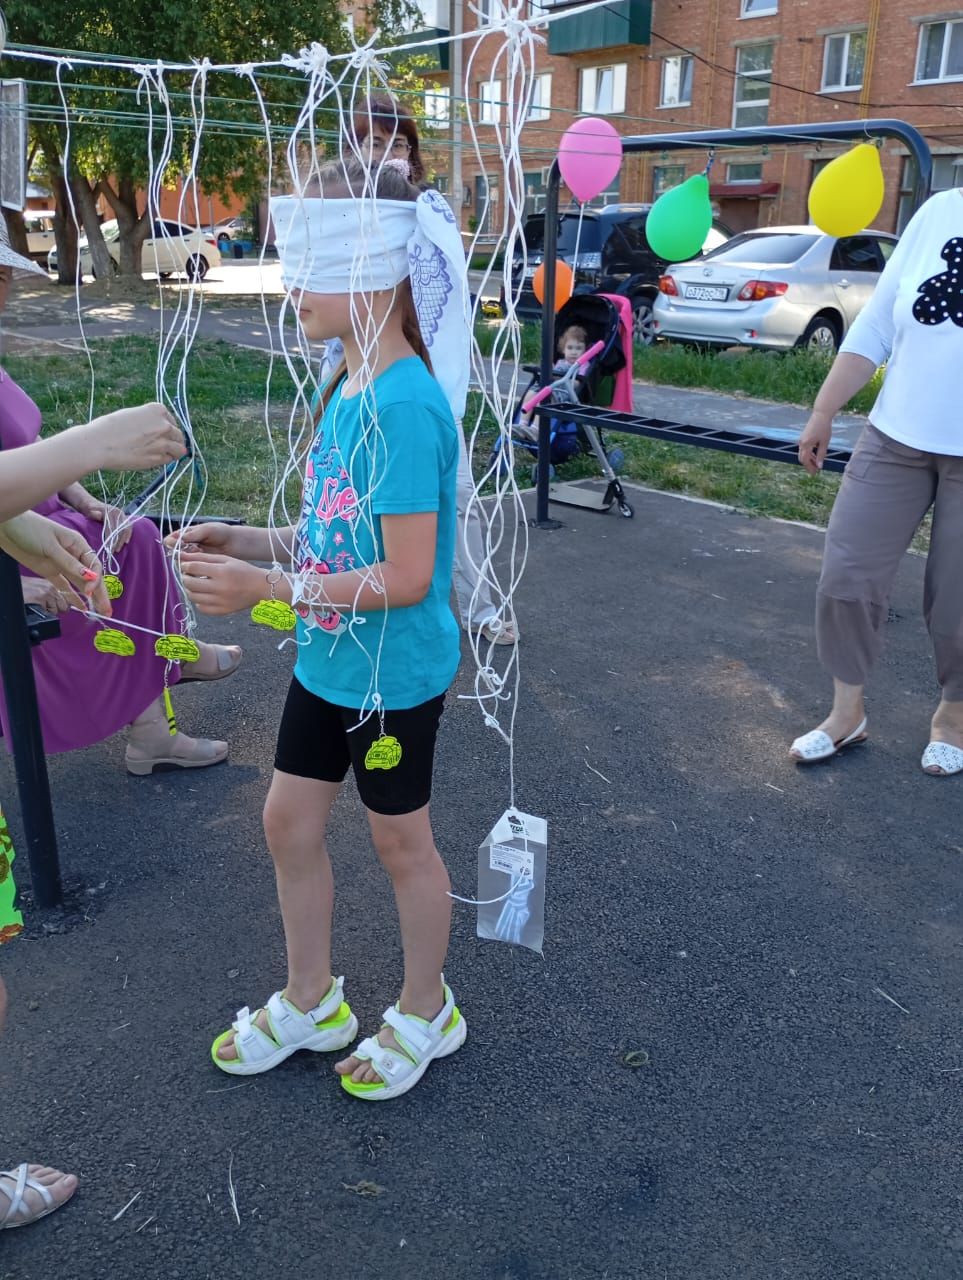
x=383, y=754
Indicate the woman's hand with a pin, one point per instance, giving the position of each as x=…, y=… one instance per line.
x=219, y=584
x=814, y=441
x=45, y=596
x=118, y=527
x=60, y=555
x=136, y=439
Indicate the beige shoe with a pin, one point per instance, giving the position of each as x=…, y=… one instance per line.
x=497, y=632
x=178, y=752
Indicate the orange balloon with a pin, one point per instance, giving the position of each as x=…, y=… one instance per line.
x=563, y=283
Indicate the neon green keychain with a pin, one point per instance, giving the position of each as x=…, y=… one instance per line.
x=385, y=753
x=177, y=648
x=274, y=613
x=169, y=712
x=113, y=586
x=112, y=641
x=11, y=921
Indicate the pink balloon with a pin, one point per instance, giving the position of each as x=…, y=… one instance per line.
x=589, y=157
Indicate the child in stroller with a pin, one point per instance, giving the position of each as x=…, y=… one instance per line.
x=592, y=349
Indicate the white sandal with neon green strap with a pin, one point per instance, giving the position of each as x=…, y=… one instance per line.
x=420, y=1041
x=329, y=1026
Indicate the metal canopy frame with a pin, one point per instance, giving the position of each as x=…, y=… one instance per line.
x=682, y=433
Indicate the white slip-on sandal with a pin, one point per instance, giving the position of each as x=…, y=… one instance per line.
x=329, y=1026
x=18, y=1213
x=421, y=1042
x=940, y=759
x=818, y=745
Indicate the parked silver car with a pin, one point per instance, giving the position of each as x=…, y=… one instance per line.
x=775, y=287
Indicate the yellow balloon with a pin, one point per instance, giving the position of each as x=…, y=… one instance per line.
x=848, y=194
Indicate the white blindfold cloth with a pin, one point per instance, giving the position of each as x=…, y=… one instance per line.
x=365, y=245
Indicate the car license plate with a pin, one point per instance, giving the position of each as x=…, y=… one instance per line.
x=707, y=292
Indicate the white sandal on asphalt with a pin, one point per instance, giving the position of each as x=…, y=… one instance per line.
x=940, y=759
x=818, y=745
x=329, y=1026
x=18, y=1212
x=420, y=1041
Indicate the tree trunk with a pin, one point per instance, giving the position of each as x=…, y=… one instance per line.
x=86, y=204
x=17, y=230
x=65, y=231
x=134, y=227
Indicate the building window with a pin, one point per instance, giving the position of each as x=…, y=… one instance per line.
x=484, y=8
x=541, y=104
x=753, y=84
x=941, y=51
x=676, y=82
x=602, y=90
x=665, y=176
x=490, y=102
x=947, y=173
x=758, y=8
x=744, y=171
x=534, y=192
x=437, y=106
x=844, y=60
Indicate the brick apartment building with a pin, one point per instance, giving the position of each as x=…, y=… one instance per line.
x=657, y=66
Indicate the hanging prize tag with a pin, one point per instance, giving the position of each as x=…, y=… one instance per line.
x=274, y=613
x=169, y=712
x=11, y=921
x=512, y=862
x=177, y=648
x=113, y=586
x=385, y=753
x=112, y=641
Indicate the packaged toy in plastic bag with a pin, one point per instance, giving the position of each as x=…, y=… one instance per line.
x=512, y=864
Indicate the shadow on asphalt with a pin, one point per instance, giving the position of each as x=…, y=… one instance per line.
x=739, y=1058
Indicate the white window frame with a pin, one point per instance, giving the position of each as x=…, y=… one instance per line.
x=490, y=102
x=737, y=102
x=661, y=179
x=679, y=59
x=747, y=10
x=588, y=77
x=540, y=107
x=946, y=23
x=438, y=106
x=846, y=37
x=735, y=164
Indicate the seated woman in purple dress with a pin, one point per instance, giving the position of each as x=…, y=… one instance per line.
x=86, y=696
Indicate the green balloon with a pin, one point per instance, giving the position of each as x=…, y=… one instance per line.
x=680, y=220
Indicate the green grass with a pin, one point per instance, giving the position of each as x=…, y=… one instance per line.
x=226, y=387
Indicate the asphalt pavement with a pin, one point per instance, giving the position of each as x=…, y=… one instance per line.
x=739, y=1057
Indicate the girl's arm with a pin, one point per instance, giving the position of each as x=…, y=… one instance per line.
x=239, y=541
x=218, y=585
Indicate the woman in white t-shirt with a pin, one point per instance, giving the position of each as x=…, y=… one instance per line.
x=908, y=460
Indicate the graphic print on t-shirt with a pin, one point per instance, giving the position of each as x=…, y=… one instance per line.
x=941, y=297
x=325, y=537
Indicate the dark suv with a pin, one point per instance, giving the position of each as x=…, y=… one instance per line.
x=613, y=256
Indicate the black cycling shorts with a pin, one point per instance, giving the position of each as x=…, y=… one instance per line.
x=318, y=739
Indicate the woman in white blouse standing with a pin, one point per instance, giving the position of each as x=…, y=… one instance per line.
x=908, y=460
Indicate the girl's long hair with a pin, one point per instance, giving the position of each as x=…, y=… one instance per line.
x=350, y=177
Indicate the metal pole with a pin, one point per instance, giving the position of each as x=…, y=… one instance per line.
x=550, y=245
x=30, y=762
x=455, y=92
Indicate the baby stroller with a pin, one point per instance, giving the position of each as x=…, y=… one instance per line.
x=602, y=372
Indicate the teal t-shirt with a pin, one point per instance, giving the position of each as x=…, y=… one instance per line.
x=391, y=450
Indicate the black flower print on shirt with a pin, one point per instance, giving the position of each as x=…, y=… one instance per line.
x=941, y=297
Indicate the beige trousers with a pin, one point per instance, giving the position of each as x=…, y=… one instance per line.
x=887, y=489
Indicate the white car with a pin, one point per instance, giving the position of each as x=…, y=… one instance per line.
x=777, y=287
x=173, y=249
x=39, y=224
